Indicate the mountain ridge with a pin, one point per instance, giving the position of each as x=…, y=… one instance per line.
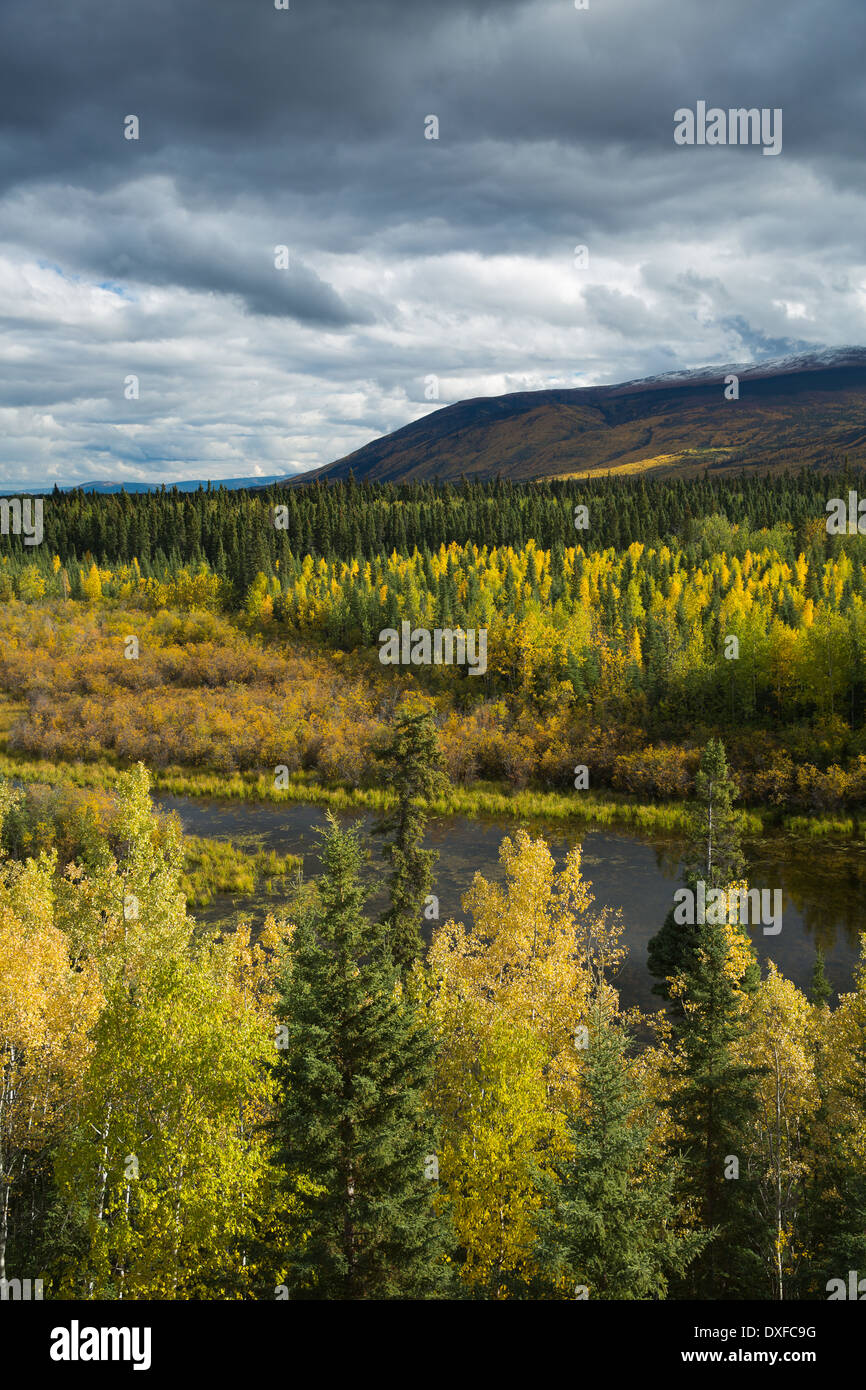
x=804, y=409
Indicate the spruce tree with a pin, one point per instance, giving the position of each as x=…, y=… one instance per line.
x=613, y=1227
x=712, y=1098
x=715, y=823
x=835, y=1225
x=835, y=1230
x=412, y=771
x=713, y=856
x=821, y=989
x=352, y=1131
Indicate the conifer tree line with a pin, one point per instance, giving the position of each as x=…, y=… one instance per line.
x=601, y=652
x=625, y=660
x=353, y=1106
x=233, y=531
x=748, y=612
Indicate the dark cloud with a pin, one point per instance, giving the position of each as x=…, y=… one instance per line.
x=407, y=256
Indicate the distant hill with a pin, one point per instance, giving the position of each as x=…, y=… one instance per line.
x=9, y=489
x=802, y=411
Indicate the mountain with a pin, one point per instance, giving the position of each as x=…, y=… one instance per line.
x=807, y=410
x=8, y=489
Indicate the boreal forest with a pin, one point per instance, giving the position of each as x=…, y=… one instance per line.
x=238, y=1070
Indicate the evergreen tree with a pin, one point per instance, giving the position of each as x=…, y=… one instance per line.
x=613, y=1226
x=713, y=856
x=353, y=1134
x=836, y=1232
x=835, y=1226
x=821, y=990
x=712, y=1098
x=718, y=857
x=412, y=770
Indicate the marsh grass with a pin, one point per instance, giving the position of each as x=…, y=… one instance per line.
x=821, y=826
x=228, y=866
x=483, y=799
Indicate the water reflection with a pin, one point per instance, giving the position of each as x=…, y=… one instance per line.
x=823, y=884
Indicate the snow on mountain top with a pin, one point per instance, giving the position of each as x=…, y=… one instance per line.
x=814, y=359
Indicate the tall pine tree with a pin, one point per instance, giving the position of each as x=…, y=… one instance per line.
x=353, y=1133
x=613, y=1226
x=713, y=1096
x=412, y=770
x=835, y=1232
x=713, y=856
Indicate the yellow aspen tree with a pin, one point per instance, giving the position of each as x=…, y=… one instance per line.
x=47, y=1007
x=779, y=1035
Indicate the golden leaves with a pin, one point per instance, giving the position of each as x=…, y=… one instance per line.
x=508, y=997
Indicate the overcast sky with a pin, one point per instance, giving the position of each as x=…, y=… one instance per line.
x=409, y=258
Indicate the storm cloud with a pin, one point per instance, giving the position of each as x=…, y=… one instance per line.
x=409, y=259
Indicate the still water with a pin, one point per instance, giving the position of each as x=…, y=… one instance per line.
x=823, y=884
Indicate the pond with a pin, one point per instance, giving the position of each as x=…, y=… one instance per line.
x=823, y=884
